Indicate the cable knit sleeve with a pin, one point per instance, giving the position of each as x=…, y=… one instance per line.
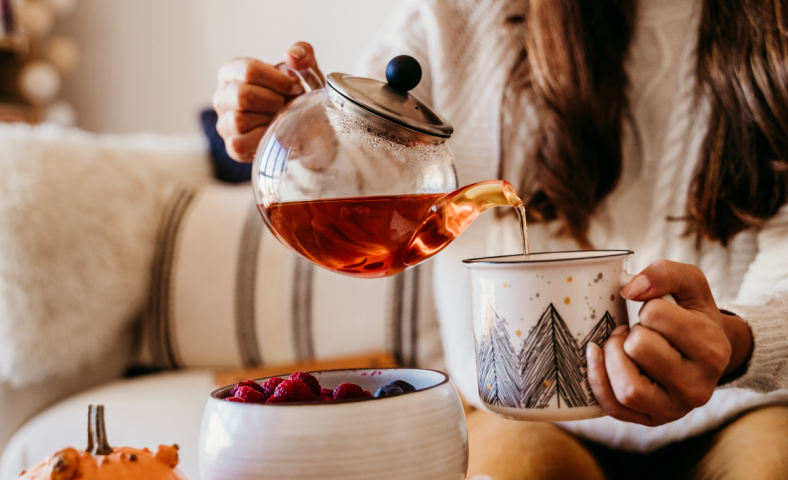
x=403, y=34
x=763, y=303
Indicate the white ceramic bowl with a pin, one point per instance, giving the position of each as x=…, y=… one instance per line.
x=416, y=435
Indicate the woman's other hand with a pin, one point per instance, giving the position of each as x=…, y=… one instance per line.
x=251, y=93
x=670, y=362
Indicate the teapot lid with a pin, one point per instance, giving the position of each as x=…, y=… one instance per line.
x=391, y=100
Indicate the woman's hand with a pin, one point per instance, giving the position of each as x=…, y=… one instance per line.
x=671, y=361
x=251, y=93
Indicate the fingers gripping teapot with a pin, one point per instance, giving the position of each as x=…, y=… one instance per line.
x=356, y=176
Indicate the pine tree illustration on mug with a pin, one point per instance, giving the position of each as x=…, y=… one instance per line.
x=550, y=364
x=599, y=335
x=499, y=382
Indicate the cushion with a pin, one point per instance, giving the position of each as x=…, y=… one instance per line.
x=78, y=220
x=226, y=293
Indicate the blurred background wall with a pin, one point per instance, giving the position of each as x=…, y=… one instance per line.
x=150, y=65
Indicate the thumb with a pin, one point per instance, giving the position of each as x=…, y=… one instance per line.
x=301, y=56
x=685, y=282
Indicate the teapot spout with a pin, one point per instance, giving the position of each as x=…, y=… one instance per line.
x=452, y=213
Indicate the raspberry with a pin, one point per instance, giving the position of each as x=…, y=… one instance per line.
x=348, y=390
x=250, y=395
x=308, y=380
x=234, y=399
x=291, y=391
x=270, y=385
x=326, y=398
x=247, y=383
x=326, y=392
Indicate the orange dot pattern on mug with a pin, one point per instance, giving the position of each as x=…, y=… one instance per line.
x=612, y=297
x=505, y=285
x=569, y=279
x=567, y=300
x=518, y=333
x=547, y=383
x=489, y=387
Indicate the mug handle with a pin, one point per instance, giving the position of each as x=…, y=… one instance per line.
x=633, y=307
x=308, y=78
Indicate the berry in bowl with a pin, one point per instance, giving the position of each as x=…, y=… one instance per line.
x=338, y=424
x=303, y=387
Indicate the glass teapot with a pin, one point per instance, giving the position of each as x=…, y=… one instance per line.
x=356, y=176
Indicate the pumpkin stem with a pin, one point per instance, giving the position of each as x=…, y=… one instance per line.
x=89, y=450
x=103, y=447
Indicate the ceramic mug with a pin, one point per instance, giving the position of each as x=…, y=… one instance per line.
x=533, y=318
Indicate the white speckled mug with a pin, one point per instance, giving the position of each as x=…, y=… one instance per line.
x=533, y=318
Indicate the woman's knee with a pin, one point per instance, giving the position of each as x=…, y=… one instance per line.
x=755, y=446
x=509, y=450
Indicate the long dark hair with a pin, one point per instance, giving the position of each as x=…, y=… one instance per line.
x=574, y=58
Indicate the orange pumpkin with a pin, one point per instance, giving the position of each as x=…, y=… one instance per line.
x=105, y=462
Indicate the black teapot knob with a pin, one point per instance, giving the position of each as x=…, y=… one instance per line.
x=403, y=73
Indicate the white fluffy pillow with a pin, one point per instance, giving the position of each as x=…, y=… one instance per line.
x=78, y=220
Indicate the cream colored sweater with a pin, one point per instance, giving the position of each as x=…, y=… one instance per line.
x=466, y=56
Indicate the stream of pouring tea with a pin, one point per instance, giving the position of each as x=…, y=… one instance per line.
x=523, y=228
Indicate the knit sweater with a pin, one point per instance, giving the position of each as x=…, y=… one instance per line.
x=466, y=55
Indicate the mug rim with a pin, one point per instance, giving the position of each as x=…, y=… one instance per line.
x=606, y=254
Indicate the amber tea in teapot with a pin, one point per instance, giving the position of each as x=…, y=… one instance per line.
x=377, y=236
x=362, y=236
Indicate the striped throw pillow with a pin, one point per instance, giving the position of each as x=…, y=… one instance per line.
x=226, y=293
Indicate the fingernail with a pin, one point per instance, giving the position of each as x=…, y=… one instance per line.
x=619, y=330
x=593, y=355
x=297, y=52
x=635, y=287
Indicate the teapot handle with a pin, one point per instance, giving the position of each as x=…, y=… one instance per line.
x=307, y=78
